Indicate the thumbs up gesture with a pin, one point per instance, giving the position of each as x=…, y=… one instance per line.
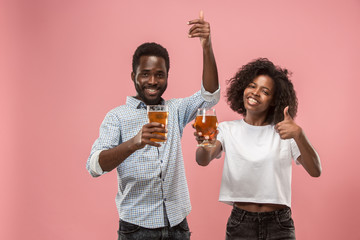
x=201, y=29
x=288, y=128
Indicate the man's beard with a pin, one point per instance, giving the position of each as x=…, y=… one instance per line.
x=146, y=100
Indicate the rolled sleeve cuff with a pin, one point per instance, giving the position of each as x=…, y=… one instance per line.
x=208, y=96
x=94, y=163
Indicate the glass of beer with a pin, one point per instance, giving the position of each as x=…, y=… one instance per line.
x=158, y=113
x=206, y=123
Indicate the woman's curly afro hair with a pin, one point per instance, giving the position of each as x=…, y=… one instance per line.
x=284, y=90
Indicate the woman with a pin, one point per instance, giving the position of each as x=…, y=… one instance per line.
x=258, y=152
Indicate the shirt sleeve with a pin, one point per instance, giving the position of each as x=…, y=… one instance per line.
x=208, y=96
x=109, y=137
x=295, y=152
x=95, y=167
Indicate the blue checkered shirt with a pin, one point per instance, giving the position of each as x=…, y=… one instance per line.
x=151, y=182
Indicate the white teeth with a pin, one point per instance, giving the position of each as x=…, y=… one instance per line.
x=253, y=100
x=151, y=90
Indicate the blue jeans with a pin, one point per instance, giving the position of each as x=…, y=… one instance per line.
x=276, y=225
x=129, y=231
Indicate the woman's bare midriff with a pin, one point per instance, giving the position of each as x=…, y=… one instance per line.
x=259, y=207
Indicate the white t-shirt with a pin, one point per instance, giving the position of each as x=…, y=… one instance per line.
x=257, y=165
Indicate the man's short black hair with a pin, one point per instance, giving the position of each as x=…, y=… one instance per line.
x=150, y=49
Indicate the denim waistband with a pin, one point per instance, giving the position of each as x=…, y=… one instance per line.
x=282, y=214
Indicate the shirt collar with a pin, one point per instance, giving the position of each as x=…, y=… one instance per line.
x=138, y=104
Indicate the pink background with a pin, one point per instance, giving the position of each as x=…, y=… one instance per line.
x=65, y=64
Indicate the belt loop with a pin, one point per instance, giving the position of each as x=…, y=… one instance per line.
x=277, y=216
x=242, y=215
x=259, y=217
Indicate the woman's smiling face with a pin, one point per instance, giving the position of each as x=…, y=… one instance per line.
x=259, y=95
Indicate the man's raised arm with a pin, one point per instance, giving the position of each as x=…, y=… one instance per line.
x=201, y=29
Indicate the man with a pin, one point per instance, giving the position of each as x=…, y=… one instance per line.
x=153, y=199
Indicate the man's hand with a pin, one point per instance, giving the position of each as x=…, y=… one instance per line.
x=288, y=128
x=148, y=131
x=111, y=158
x=200, y=29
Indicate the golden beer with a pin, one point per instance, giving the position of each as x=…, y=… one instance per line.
x=207, y=125
x=158, y=113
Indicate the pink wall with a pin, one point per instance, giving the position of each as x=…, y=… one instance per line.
x=64, y=64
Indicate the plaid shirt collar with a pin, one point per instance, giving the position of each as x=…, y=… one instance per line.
x=138, y=104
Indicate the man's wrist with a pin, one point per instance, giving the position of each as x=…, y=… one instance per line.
x=207, y=48
x=133, y=145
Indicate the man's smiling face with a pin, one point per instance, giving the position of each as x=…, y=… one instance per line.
x=150, y=79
